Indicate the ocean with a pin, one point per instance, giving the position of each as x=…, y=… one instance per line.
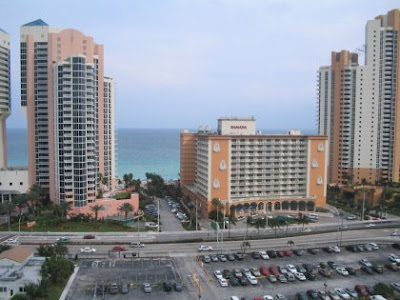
x=138, y=151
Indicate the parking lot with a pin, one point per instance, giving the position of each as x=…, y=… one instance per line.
x=135, y=272
x=289, y=289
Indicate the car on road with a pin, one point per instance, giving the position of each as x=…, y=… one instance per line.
x=370, y=225
x=342, y=293
x=89, y=236
x=11, y=242
x=394, y=258
x=240, y=218
x=62, y=239
x=167, y=286
x=365, y=262
x=137, y=244
x=395, y=233
x=205, y=248
x=88, y=250
x=342, y=271
x=223, y=282
x=264, y=255
x=351, y=217
x=147, y=287
x=218, y=274
x=118, y=248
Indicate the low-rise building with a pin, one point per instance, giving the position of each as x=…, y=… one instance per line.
x=253, y=172
x=13, y=181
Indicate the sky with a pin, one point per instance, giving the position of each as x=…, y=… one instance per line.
x=184, y=63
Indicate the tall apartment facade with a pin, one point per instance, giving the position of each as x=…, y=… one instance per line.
x=253, y=172
x=5, y=94
x=63, y=96
x=359, y=105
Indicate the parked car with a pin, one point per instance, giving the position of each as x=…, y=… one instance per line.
x=342, y=271
x=222, y=258
x=280, y=297
x=333, y=295
x=352, y=248
x=206, y=259
x=312, y=294
x=283, y=269
x=274, y=270
x=394, y=258
x=367, y=270
x=272, y=253
x=239, y=256
x=255, y=272
x=89, y=237
x=242, y=281
x=291, y=268
x=88, y=250
x=351, y=271
x=264, y=255
x=227, y=274
x=323, y=296
x=272, y=278
x=301, y=296
x=217, y=274
x=281, y=278
x=298, y=252
x=147, y=287
x=396, y=246
x=167, y=286
x=240, y=218
x=230, y=257
x=374, y=246
x=342, y=293
x=313, y=250
x=365, y=262
x=264, y=271
x=325, y=272
x=351, y=217
x=353, y=294
x=290, y=276
x=301, y=269
x=288, y=253
x=300, y=276
x=377, y=268
x=237, y=273
x=124, y=288
x=234, y=281
x=368, y=248
x=214, y=258
x=332, y=264
x=310, y=276
x=361, y=290
x=281, y=254
x=113, y=288
x=205, y=248
x=392, y=267
x=395, y=286
x=252, y=279
x=335, y=249
x=311, y=268
x=255, y=255
x=223, y=282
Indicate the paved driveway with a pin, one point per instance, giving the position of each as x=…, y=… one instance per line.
x=169, y=221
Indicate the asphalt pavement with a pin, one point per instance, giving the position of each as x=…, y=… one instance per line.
x=169, y=221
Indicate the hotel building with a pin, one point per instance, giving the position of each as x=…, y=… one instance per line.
x=5, y=94
x=359, y=107
x=69, y=107
x=253, y=172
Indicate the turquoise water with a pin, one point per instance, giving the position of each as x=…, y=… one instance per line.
x=138, y=151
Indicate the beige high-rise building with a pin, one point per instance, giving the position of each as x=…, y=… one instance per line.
x=359, y=107
x=5, y=95
x=252, y=172
x=63, y=95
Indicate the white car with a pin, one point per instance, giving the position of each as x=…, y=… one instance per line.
x=365, y=262
x=342, y=293
x=137, y=245
x=11, y=242
x=335, y=249
x=252, y=279
x=291, y=268
x=264, y=255
x=205, y=248
x=394, y=258
x=300, y=276
x=342, y=271
x=351, y=217
x=268, y=297
x=218, y=274
x=395, y=233
x=374, y=246
x=223, y=282
x=370, y=225
x=88, y=250
x=240, y=218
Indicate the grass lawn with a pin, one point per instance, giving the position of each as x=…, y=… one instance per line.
x=75, y=227
x=395, y=212
x=189, y=226
x=54, y=292
x=122, y=195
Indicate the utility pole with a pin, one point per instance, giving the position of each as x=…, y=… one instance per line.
x=196, y=213
x=223, y=228
x=138, y=235
x=363, y=207
x=158, y=215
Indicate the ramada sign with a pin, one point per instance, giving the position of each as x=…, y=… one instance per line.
x=238, y=127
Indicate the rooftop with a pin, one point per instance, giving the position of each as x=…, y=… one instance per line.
x=17, y=254
x=1, y=30
x=38, y=22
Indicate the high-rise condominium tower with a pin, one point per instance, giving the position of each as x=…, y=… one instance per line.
x=359, y=106
x=68, y=104
x=5, y=97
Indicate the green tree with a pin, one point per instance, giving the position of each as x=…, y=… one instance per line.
x=45, y=251
x=20, y=201
x=274, y=224
x=20, y=296
x=57, y=270
x=36, y=196
x=36, y=291
x=60, y=250
x=128, y=180
x=244, y=245
x=126, y=208
x=384, y=290
x=65, y=207
x=4, y=248
x=96, y=210
x=155, y=185
x=7, y=207
x=218, y=205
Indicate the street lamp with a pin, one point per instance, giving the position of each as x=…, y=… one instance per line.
x=325, y=286
x=19, y=223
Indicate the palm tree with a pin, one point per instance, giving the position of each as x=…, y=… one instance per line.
x=126, y=208
x=274, y=224
x=290, y=243
x=96, y=210
x=303, y=220
x=35, y=194
x=56, y=209
x=259, y=223
x=65, y=207
x=60, y=250
x=127, y=178
x=20, y=201
x=8, y=207
x=244, y=245
x=232, y=220
x=36, y=291
x=217, y=203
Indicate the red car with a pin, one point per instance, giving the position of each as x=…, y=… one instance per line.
x=118, y=248
x=288, y=252
x=258, y=298
x=264, y=271
x=274, y=270
x=281, y=254
x=89, y=237
x=361, y=289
